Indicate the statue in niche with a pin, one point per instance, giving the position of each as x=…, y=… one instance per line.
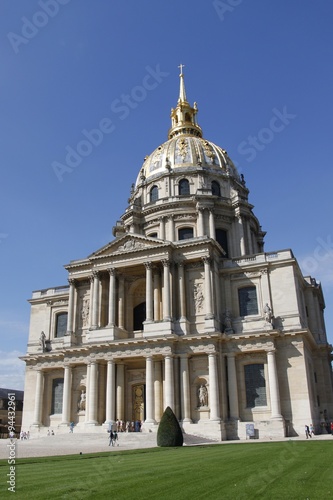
x=203, y=395
x=268, y=313
x=42, y=341
x=85, y=312
x=198, y=297
x=227, y=322
x=82, y=401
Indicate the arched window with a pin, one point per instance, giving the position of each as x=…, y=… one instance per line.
x=222, y=238
x=61, y=325
x=216, y=189
x=185, y=233
x=152, y=235
x=154, y=193
x=248, y=304
x=139, y=316
x=184, y=187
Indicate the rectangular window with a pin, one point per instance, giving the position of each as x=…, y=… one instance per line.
x=57, y=393
x=61, y=325
x=255, y=385
x=248, y=304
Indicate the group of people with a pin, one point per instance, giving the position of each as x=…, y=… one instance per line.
x=24, y=435
x=309, y=431
x=113, y=437
x=128, y=426
x=50, y=432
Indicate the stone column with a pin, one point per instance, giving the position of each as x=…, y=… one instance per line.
x=232, y=387
x=112, y=298
x=120, y=395
x=93, y=393
x=121, y=302
x=241, y=235
x=110, y=392
x=149, y=292
x=38, y=410
x=208, y=288
x=212, y=224
x=182, y=294
x=87, y=394
x=201, y=227
x=273, y=385
x=66, y=397
x=169, y=384
x=166, y=290
x=91, y=300
x=171, y=228
x=214, y=401
x=217, y=288
x=162, y=228
x=149, y=390
x=157, y=313
x=95, y=304
x=71, y=306
x=185, y=389
x=158, y=390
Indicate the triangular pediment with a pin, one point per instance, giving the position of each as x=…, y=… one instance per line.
x=128, y=244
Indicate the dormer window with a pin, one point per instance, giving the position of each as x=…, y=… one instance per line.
x=216, y=189
x=184, y=187
x=154, y=193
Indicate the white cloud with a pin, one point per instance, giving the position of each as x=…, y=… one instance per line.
x=12, y=370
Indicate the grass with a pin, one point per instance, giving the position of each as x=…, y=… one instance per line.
x=284, y=470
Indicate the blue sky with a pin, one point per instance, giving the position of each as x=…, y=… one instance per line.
x=261, y=73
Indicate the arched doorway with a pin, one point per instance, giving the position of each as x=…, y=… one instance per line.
x=139, y=316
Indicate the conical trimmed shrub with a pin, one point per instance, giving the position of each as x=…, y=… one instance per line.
x=169, y=432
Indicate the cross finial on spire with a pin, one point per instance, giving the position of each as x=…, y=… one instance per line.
x=181, y=66
x=182, y=93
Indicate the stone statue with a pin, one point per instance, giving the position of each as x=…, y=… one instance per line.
x=227, y=322
x=198, y=297
x=268, y=313
x=82, y=401
x=85, y=312
x=42, y=341
x=203, y=395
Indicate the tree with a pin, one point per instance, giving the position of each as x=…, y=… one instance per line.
x=169, y=432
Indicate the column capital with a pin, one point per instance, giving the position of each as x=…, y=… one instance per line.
x=166, y=262
x=95, y=273
x=72, y=281
x=148, y=265
x=206, y=259
x=112, y=271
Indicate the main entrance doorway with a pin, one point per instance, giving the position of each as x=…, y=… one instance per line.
x=138, y=402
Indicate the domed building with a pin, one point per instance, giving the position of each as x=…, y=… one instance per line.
x=183, y=308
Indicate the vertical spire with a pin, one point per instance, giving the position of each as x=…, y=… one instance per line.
x=182, y=92
x=183, y=117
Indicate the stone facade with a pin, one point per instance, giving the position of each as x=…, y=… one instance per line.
x=182, y=309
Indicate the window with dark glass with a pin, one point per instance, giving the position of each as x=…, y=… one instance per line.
x=57, y=394
x=255, y=385
x=248, y=303
x=152, y=235
x=154, y=193
x=222, y=239
x=184, y=187
x=185, y=233
x=61, y=325
x=139, y=316
x=216, y=189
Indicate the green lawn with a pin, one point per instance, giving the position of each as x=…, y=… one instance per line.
x=283, y=470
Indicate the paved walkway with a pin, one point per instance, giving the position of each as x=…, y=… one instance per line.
x=76, y=443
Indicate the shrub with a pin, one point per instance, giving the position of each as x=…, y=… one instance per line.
x=169, y=432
